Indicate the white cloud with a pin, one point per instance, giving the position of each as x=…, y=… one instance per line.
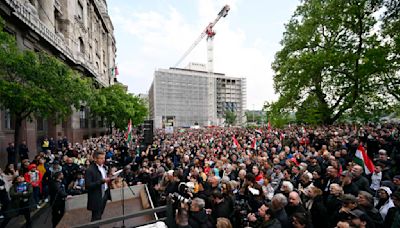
x=164, y=36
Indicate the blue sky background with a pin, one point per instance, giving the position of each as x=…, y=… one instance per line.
x=153, y=34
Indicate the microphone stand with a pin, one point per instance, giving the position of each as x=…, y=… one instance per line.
x=123, y=198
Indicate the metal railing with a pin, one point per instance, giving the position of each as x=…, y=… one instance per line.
x=167, y=208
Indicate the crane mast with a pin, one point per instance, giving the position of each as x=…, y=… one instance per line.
x=210, y=33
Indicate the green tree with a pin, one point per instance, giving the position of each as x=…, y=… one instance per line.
x=230, y=117
x=253, y=117
x=331, y=53
x=117, y=106
x=276, y=115
x=36, y=84
x=390, y=30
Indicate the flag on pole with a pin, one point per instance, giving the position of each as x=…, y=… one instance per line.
x=128, y=135
x=282, y=136
x=114, y=71
x=254, y=144
x=235, y=142
x=363, y=160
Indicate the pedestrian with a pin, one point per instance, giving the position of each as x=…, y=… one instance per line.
x=21, y=202
x=11, y=153
x=58, y=196
x=23, y=151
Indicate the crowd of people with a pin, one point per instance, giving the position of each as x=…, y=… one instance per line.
x=228, y=177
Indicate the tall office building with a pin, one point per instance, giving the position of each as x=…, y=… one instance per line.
x=184, y=97
x=79, y=33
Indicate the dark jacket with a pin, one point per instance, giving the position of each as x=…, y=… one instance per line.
x=23, y=151
x=199, y=219
x=283, y=218
x=362, y=183
x=11, y=154
x=57, y=193
x=222, y=210
x=19, y=200
x=93, y=184
x=374, y=214
x=274, y=223
x=291, y=210
x=319, y=213
x=351, y=189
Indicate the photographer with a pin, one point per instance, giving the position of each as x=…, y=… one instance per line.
x=197, y=215
x=221, y=207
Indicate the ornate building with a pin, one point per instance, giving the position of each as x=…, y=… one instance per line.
x=78, y=32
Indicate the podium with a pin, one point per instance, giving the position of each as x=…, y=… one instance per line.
x=77, y=214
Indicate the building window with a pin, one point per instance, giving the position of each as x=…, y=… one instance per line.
x=83, y=117
x=39, y=124
x=81, y=46
x=94, y=122
x=80, y=10
x=96, y=46
x=8, y=120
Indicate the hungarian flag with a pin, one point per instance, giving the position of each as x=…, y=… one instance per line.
x=254, y=144
x=363, y=160
x=128, y=135
x=114, y=71
x=258, y=132
x=235, y=142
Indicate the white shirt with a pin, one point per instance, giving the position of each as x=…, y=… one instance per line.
x=376, y=180
x=103, y=174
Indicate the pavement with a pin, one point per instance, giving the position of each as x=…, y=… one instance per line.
x=38, y=217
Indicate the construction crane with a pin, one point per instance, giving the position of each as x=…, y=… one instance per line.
x=209, y=31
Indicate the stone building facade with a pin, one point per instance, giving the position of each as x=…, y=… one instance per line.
x=78, y=32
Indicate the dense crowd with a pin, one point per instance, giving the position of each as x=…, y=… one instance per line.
x=229, y=177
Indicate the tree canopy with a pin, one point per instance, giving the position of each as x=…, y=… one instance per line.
x=117, y=106
x=230, y=117
x=37, y=84
x=336, y=60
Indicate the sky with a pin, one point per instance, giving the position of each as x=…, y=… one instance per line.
x=154, y=34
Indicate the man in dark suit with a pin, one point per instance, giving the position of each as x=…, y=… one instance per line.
x=97, y=185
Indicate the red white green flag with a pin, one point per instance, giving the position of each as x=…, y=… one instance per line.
x=363, y=160
x=235, y=142
x=254, y=144
x=128, y=135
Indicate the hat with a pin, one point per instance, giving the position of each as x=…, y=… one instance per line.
x=382, y=151
x=31, y=166
x=348, y=198
x=386, y=189
x=397, y=177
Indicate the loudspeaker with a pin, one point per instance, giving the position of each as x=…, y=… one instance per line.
x=148, y=132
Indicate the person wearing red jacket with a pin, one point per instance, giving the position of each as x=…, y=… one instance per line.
x=34, y=177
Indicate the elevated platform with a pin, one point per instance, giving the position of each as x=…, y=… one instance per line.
x=77, y=214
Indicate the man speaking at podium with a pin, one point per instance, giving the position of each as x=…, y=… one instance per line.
x=97, y=185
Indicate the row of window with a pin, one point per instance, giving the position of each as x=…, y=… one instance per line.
x=41, y=123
